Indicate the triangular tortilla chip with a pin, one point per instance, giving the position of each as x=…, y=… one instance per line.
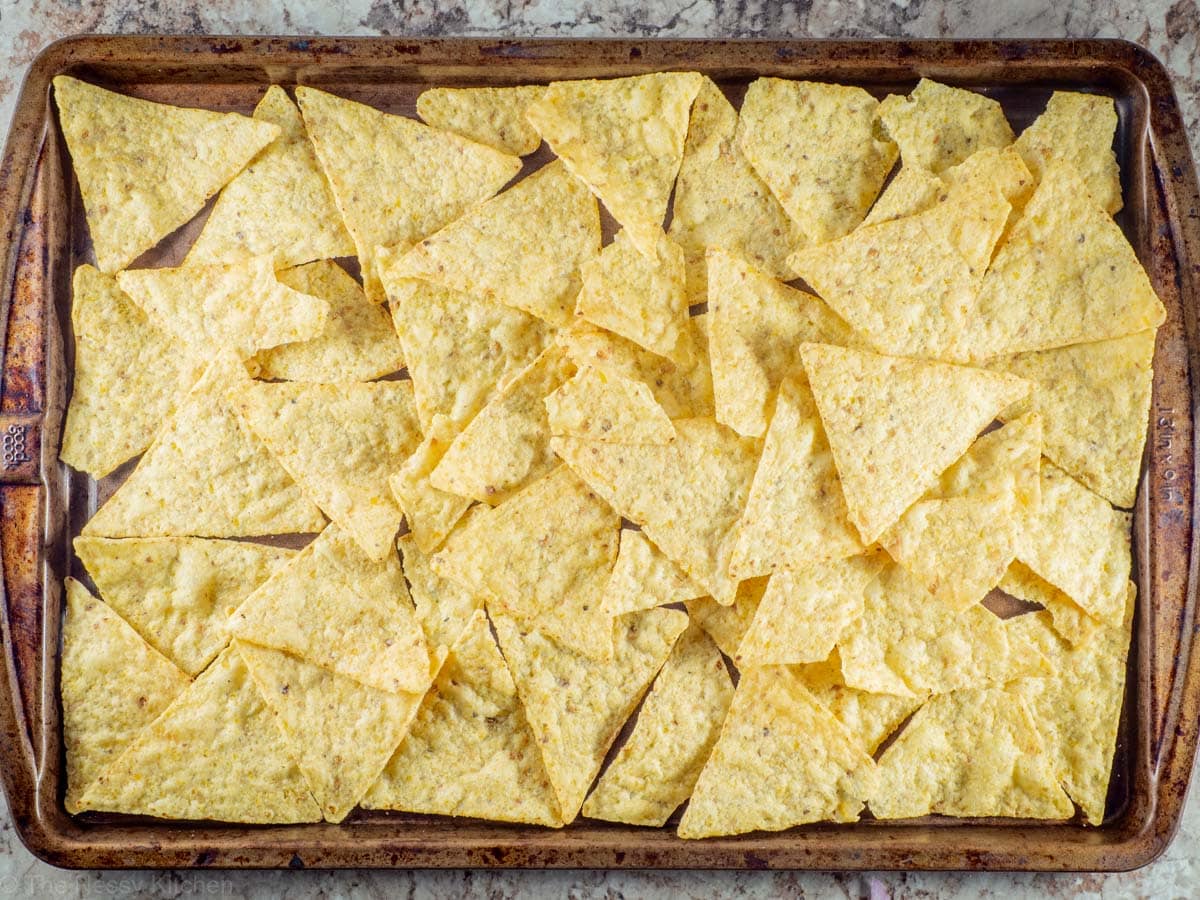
x=1079, y=544
x=1074, y=625
x=870, y=718
x=357, y=344
x=676, y=728
x=1065, y=275
x=911, y=191
x=602, y=406
x=494, y=116
x=576, y=705
x=240, y=307
x=755, y=323
x=624, y=138
x=782, y=759
x=721, y=202
x=470, y=751
x=431, y=514
x=334, y=607
x=796, y=514
x=341, y=732
x=177, y=592
x=804, y=613
x=114, y=684
x=959, y=539
x=129, y=376
x=938, y=126
x=522, y=248
x=896, y=424
x=146, y=168
x=642, y=578
x=205, y=474
x=687, y=495
x=280, y=205
x=507, y=444
x=340, y=442
x=969, y=753
x=443, y=606
x=395, y=180
x=1077, y=129
x=639, y=297
x=727, y=625
x=819, y=147
x=217, y=752
x=1094, y=400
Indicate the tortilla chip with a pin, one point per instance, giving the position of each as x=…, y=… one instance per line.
x=177, y=591
x=796, y=514
x=782, y=759
x=459, y=350
x=870, y=718
x=938, y=126
x=687, y=496
x=340, y=442
x=217, y=752
x=522, y=248
x=470, y=751
x=358, y=343
x=820, y=149
x=575, y=705
x=895, y=425
x=804, y=613
x=1077, y=129
x=1074, y=625
x=206, y=475
x=721, y=202
x=146, y=168
x=493, y=116
x=1079, y=544
x=395, y=180
x=431, y=514
x=334, y=607
x=969, y=753
x=341, y=732
x=114, y=684
x=1003, y=169
x=279, y=206
x=129, y=376
x=239, y=307
x=443, y=606
x=642, y=578
x=1094, y=400
x=601, y=406
x=727, y=625
x=624, y=138
x=911, y=191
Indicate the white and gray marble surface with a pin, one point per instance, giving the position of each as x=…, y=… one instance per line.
x=1169, y=29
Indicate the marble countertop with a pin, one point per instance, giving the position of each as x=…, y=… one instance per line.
x=1169, y=29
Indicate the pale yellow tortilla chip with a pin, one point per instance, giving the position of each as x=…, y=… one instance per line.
x=280, y=205
x=895, y=425
x=130, y=375
x=727, y=625
x=205, y=474
x=431, y=514
x=870, y=718
x=796, y=514
x=624, y=138
x=395, y=180
x=938, y=126
x=782, y=759
x=522, y=248
x=494, y=116
x=443, y=606
x=575, y=705
x=340, y=442
x=114, y=684
x=819, y=147
x=217, y=753
x=1003, y=169
x=720, y=201
x=240, y=307
x=358, y=342
x=341, y=732
x=656, y=769
x=1094, y=400
x=177, y=591
x=602, y=406
x=687, y=495
x=969, y=753
x=1074, y=625
x=471, y=750
x=146, y=168
x=911, y=191
x=1077, y=129
x=643, y=578
x=1079, y=544
x=338, y=609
